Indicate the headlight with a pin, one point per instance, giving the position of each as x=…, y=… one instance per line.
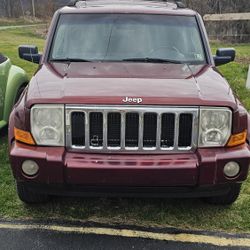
x=215, y=127
x=47, y=124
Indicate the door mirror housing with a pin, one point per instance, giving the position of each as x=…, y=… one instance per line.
x=29, y=53
x=2, y=58
x=224, y=56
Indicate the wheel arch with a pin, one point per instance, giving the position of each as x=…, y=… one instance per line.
x=248, y=128
x=17, y=79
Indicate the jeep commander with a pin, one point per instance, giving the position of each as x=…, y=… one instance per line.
x=127, y=101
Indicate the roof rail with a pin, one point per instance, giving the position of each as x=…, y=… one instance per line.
x=73, y=3
x=178, y=3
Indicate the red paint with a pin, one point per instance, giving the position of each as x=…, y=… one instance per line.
x=108, y=83
x=57, y=166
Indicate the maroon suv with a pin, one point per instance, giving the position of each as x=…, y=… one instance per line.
x=127, y=101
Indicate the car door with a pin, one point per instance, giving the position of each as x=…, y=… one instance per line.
x=3, y=80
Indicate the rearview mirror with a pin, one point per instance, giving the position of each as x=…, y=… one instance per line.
x=29, y=53
x=224, y=56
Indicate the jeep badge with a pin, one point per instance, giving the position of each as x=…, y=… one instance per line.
x=132, y=100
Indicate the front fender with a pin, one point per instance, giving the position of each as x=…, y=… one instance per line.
x=4, y=73
x=17, y=78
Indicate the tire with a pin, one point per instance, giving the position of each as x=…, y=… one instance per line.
x=227, y=199
x=30, y=197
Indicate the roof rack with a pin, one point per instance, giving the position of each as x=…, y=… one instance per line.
x=73, y=3
x=180, y=4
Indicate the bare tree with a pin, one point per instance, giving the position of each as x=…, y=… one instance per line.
x=11, y=8
x=33, y=8
x=219, y=6
x=22, y=8
x=45, y=8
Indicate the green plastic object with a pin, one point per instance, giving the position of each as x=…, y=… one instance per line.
x=12, y=81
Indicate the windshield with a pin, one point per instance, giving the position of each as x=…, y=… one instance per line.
x=127, y=37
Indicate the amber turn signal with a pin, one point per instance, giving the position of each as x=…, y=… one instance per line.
x=23, y=136
x=237, y=139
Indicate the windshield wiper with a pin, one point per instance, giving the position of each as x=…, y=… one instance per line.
x=69, y=60
x=136, y=59
x=153, y=60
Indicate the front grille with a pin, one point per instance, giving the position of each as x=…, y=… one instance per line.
x=131, y=129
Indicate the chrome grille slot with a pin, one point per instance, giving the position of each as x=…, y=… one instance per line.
x=185, y=130
x=78, y=128
x=96, y=129
x=149, y=130
x=131, y=129
x=114, y=130
x=167, y=130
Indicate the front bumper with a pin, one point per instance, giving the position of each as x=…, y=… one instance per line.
x=200, y=172
x=118, y=191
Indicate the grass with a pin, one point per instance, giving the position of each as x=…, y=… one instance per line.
x=19, y=21
x=183, y=213
x=10, y=41
x=236, y=72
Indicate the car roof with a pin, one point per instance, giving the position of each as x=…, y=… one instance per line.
x=128, y=6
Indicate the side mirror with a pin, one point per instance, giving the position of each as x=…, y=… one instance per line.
x=224, y=56
x=2, y=58
x=29, y=53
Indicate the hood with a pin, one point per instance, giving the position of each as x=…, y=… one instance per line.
x=110, y=83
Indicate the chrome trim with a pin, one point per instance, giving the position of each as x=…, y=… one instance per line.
x=158, y=132
x=123, y=129
x=141, y=110
x=105, y=129
x=141, y=127
x=176, y=130
x=86, y=131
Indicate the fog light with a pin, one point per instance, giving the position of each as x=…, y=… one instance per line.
x=30, y=168
x=231, y=169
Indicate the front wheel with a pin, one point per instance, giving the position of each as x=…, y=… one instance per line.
x=226, y=199
x=29, y=196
